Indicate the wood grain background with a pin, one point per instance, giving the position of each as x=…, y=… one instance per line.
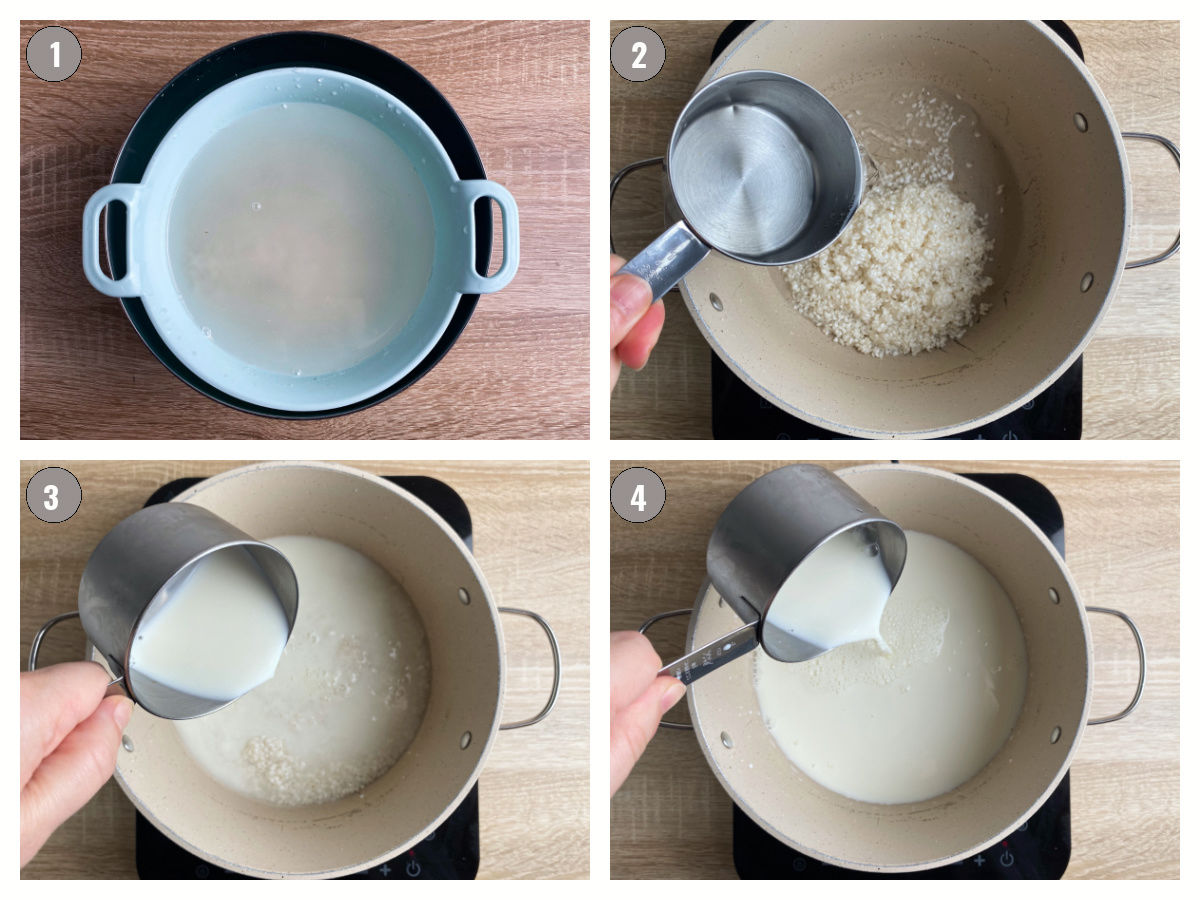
x=672, y=818
x=1131, y=367
x=520, y=369
x=533, y=793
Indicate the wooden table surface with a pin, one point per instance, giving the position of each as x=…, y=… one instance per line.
x=519, y=370
x=533, y=792
x=1131, y=367
x=672, y=819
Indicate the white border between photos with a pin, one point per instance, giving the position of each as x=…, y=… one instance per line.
x=597, y=449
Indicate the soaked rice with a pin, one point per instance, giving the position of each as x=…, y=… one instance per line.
x=905, y=276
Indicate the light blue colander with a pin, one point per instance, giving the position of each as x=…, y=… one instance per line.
x=148, y=264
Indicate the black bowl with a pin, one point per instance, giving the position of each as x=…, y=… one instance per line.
x=285, y=50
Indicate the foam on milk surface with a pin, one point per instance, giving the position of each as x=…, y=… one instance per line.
x=917, y=722
x=348, y=696
x=218, y=632
x=301, y=239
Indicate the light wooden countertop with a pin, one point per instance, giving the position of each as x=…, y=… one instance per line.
x=1131, y=367
x=519, y=369
x=533, y=792
x=672, y=819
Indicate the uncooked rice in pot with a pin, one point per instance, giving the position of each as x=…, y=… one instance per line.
x=903, y=277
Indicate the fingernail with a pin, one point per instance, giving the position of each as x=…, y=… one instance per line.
x=122, y=711
x=630, y=294
x=673, y=695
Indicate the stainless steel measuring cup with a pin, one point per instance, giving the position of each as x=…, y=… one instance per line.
x=130, y=575
x=760, y=167
x=763, y=536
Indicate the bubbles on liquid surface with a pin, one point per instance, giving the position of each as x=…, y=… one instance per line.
x=207, y=332
x=256, y=206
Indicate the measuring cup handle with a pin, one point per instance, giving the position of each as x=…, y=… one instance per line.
x=1141, y=649
x=533, y=720
x=1174, y=151
x=473, y=282
x=678, y=726
x=112, y=287
x=668, y=259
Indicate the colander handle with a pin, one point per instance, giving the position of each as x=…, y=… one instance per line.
x=545, y=626
x=112, y=287
x=473, y=282
x=1141, y=649
x=1174, y=151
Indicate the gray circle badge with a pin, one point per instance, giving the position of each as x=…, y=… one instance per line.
x=53, y=495
x=53, y=53
x=638, y=53
x=638, y=494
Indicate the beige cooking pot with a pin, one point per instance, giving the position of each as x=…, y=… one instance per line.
x=1049, y=153
x=408, y=802
x=907, y=837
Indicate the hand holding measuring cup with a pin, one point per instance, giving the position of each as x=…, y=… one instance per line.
x=638, y=697
x=635, y=320
x=70, y=732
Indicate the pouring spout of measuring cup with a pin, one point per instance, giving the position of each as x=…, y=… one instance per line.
x=668, y=259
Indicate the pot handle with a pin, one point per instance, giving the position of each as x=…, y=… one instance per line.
x=1141, y=649
x=670, y=256
x=1174, y=151
x=42, y=632
x=533, y=720
x=615, y=182
x=112, y=287
x=473, y=282
x=678, y=726
x=40, y=636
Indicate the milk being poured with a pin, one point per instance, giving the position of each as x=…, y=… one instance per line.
x=301, y=239
x=915, y=719
x=349, y=695
x=218, y=632
x=835, y=596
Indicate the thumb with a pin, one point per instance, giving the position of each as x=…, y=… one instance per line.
x=628, y=299
x=69, y=777
x=634, y=726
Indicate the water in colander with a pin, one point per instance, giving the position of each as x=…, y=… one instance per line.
x=301, y=239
